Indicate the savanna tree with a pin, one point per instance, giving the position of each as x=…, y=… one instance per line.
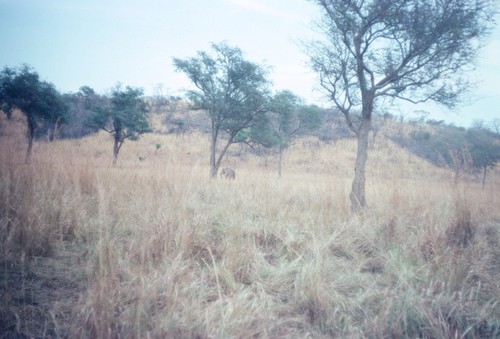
x=289, y=117
x=38, y=100
x=232, y=90
x=376, y=51
x=124, y=116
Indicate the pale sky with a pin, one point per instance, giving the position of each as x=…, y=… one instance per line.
x=98, y=43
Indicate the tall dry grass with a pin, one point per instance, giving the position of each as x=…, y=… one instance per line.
x=167, y=252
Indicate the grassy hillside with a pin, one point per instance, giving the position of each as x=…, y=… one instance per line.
x=154, y=248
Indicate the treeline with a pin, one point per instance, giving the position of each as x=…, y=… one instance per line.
x=247, y=113
x=283, y=116
x=122, y=114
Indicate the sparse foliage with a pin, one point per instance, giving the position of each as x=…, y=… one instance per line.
x=160, y=99
x=495, y=127
x=233, y=92
x=288, y=118
x=380, y=50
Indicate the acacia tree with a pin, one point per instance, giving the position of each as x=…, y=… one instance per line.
x=124, y=116
x=289, y=117
x=38, y=100
x=413, y=50
x=230, y=89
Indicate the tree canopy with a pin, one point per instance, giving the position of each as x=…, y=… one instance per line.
x=38, y=100
x=124, y=115
x=288, y=117
x=232, y=90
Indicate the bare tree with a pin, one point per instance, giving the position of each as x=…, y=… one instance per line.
x=379, y=50
x=160, y=100
x=495, y=126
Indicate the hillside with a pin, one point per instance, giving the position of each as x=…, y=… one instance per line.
x=154, y=248
x=413, y=147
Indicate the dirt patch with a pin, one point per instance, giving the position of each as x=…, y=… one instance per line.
x=37, y=296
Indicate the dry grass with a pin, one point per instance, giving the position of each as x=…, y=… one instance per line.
x=153, y=248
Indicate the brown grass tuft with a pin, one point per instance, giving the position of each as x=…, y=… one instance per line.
x=461, y=232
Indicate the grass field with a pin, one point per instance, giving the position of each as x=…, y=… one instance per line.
x=154, y=248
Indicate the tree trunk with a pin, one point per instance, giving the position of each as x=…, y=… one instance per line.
x=31, y=136
x=27, y=160
x=118, y=139
x=358, y=197
x=221, y=155
x=215, y=164
x=484, y=176
x=213, y=149
x=116, y=147
x=115, y=151
x=54, y=131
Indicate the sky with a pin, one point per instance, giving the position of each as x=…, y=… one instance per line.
x=98, y=43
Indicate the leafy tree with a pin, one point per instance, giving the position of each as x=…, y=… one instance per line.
x=379, y=50
x=38, y=100
x=289, y=118
x=125, y=116
x=233, y=92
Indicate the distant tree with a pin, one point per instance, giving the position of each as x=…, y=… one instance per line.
x=479, y=124
x=495, y=126
x=402, y=116
x=233, y=92
x=290, y=117
x=420, y=136
x=81, y=105
x=89, y=96
x=125, y=117
x=422, y=115
x=388, y=116
x=484, y=149
x=160, y=99
x=380, y=50
x=38, y=100
x=434, y=122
